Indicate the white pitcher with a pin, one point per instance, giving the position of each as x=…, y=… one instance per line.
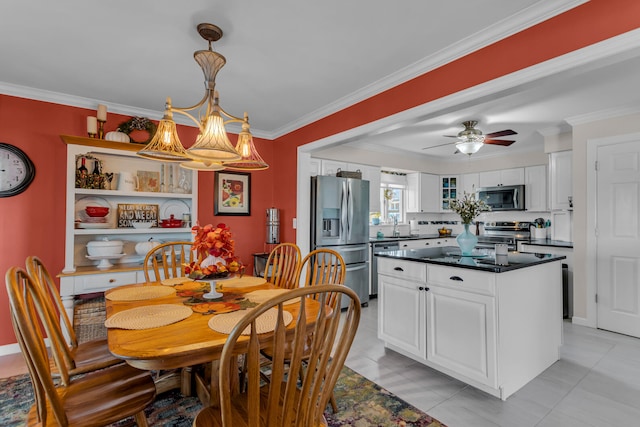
x=127, y=182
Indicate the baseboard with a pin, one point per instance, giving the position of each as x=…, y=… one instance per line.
x=581, y=321
x=8, y=349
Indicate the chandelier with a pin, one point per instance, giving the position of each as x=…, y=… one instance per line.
x=212, y=149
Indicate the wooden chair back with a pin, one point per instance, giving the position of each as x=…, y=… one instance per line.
x=283, y=265
x=42, y=277
x=168, y=260
x=78, y=357
x=284, y=401
x=97, y=399
x=323, y=266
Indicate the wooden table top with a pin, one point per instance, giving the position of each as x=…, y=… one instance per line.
x=185, y=343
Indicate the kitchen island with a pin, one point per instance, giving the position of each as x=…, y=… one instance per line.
x=493, y=323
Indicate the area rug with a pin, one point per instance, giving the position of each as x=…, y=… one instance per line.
x=361, y=402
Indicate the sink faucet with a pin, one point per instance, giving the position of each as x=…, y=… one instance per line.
x=396, y=232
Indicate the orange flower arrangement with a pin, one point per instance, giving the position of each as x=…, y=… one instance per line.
x=210, y=242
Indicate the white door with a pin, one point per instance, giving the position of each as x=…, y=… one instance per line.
x=618, y=238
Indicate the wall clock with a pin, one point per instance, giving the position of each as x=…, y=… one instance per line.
x=16, y=170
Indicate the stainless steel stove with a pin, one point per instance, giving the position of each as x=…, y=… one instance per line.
x=503, y=232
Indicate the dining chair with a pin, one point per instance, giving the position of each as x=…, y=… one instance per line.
x=168, y=260
x=78, y=357
x=282, y=266
x=285, y=401
x=94, y=399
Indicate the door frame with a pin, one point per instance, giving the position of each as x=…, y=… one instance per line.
x=592, y=220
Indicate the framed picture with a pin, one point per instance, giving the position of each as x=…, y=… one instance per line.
x=232, y=193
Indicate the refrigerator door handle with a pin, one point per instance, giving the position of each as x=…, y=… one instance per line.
x=344, y=203
x=349, y=210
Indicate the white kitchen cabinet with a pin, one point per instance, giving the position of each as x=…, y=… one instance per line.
x=369, y=173
x=330, y=167
x=495, y=331
x=425, y=243
x=315, y=167
x=568, y=252
x=561, y=172
x=535, y=188
x=174, y=193
x=401, y=306
x=470, y=183
x=461, y=333
x=498, y=178
x=423, y=192
x=448, y=191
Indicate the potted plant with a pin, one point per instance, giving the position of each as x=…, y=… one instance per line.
x=375, y=218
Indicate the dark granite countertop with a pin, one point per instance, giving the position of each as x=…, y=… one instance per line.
x=408, y=237
x=548, y=242
x=450, y=256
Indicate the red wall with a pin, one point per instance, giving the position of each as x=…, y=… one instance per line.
x=33, y=222
x=590, y=23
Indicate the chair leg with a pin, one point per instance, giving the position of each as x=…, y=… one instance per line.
x=141, y=419
x=334, y=405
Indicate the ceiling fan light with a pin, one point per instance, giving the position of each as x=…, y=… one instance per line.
x=469, y=147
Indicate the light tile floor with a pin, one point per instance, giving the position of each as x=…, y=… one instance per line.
x=595, y=383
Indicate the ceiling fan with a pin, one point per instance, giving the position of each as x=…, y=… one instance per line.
x=471, y=139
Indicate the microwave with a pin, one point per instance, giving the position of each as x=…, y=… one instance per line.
x=502, y=198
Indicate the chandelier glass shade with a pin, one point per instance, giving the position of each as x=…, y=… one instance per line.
x=212, y=149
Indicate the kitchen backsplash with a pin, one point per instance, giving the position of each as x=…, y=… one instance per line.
x=429, y=223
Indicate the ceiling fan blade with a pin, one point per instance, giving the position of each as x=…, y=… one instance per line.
x=500, y=133
x=504, y=143
x=440, y=145
x=450, y=136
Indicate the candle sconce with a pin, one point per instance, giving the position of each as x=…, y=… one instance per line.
x=101, y=128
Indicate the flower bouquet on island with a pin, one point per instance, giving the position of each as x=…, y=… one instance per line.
x=215, y=250
x=468, y=207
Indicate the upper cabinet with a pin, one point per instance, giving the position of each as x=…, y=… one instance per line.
x=536, y=188
x=369, y=173
x=561, y=172
x=470, y=183
x=448, y=190
x=423, y=191
x=502, y=177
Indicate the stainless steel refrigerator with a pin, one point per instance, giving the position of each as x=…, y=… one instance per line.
x=340, y=221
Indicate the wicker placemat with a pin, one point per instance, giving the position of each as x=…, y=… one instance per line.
x=243, y=282
x=139, y=293
x=147, y=317
x=224, y=323
x=263, y=295
x=175, y=281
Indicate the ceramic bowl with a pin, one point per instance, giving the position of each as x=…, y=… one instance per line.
x=96, y=211
x=104, y=247
x=142, y=224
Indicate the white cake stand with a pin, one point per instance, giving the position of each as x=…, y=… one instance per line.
x=213, y=294
x=104, y=260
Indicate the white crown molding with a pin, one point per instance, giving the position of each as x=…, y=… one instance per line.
x=609, y=113
x=623, y=45
x=501, y=29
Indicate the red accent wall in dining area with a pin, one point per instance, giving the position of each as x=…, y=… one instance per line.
x=592, y=22
x=32, y=223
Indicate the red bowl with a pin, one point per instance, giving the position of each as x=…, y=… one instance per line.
x=96, y=211
x=171, y=223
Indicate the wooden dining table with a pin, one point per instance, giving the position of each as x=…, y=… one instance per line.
x=184, y=344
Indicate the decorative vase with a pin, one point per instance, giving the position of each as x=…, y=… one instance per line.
x=467, y=241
